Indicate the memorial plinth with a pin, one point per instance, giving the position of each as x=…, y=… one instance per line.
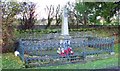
x=64, y=37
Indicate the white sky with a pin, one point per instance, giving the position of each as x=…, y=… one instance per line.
x=41, y=5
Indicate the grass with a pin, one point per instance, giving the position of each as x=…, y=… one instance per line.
x=39, y=33
x=99, y=64
x=9, y=61
x=0, y=61
x=117, y=48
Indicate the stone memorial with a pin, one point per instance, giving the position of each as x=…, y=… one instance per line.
x=64, y=37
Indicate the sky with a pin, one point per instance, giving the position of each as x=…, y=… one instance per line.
x=41, y=5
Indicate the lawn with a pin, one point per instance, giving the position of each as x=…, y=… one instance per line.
x=0, y=62
x=9, y=61
x=99, y=64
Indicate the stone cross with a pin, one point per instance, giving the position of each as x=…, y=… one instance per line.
x=65, y=38
x=65, y=22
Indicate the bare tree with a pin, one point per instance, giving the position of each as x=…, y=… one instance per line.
x=58, y=15
x=50, y=12
x=28, y=15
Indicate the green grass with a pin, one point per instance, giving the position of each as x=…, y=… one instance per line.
x=39, y=33
x=0, y=61
x=9, y=61
x=99, y=64
x=117, y=47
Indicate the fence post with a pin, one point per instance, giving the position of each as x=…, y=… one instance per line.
x=112, y=42
x=21, y=50
x=84, y=50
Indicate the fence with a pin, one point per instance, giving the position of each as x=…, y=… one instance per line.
x=43, y=52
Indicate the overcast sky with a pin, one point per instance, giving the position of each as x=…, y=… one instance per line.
x=41, y=5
